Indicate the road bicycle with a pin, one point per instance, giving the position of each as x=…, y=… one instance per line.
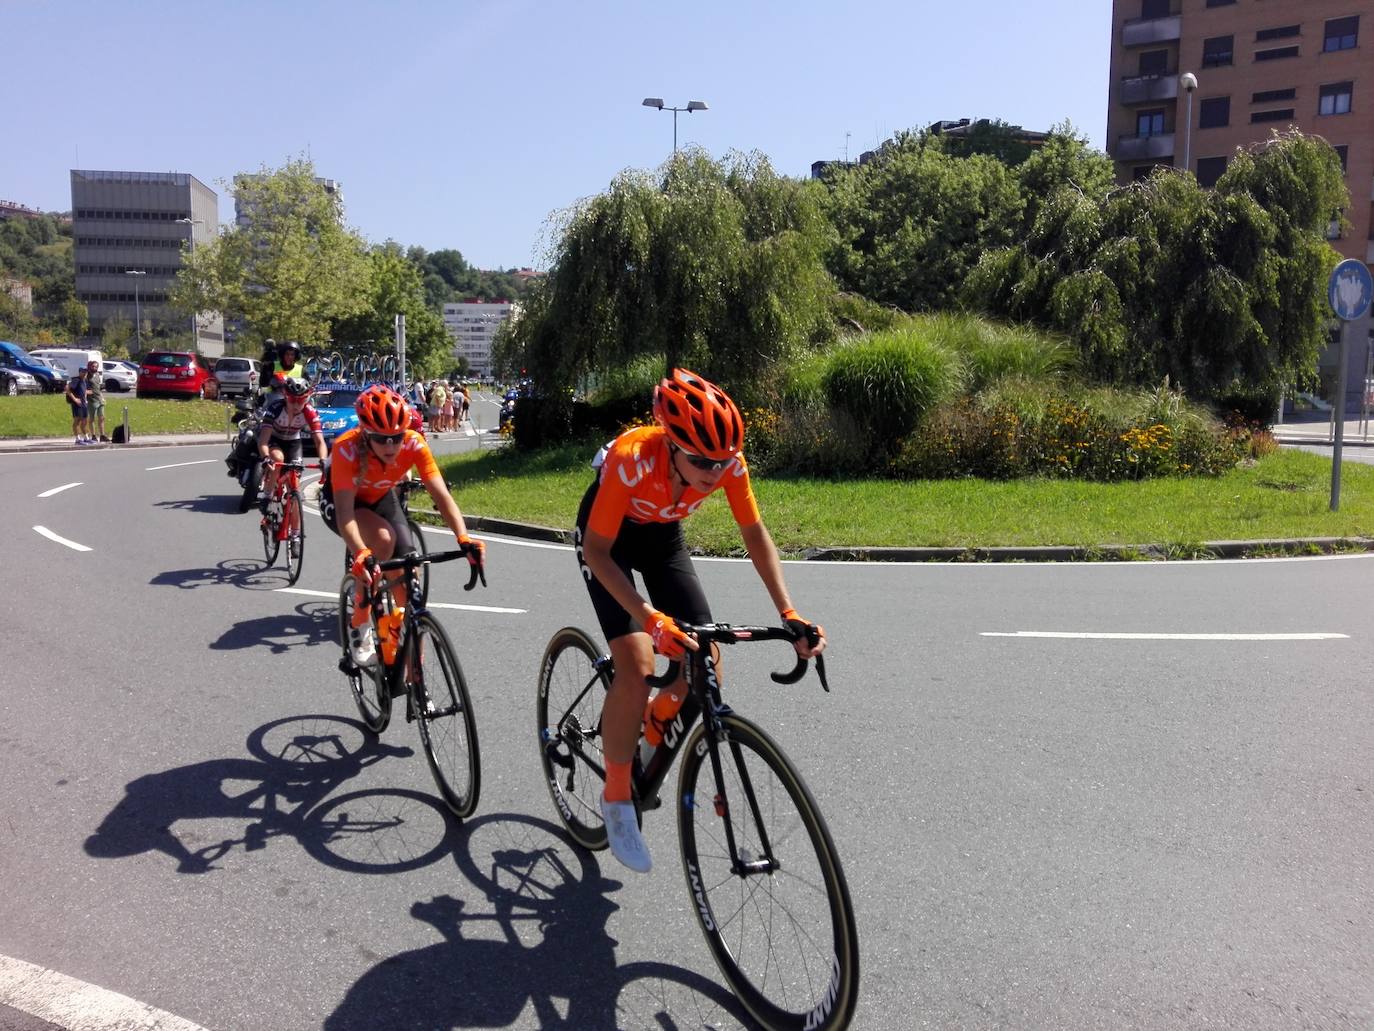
x=282, y=522
x=416, y=661
x=762, y=871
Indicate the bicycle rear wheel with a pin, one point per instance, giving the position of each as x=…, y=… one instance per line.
x=572, y=689
x=444, y=716
x=295, y=540
x=271, y=522
x=781, y=929
x=367, y=684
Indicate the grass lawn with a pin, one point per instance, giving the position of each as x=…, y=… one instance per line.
x=49, y=415
x=1284, y=495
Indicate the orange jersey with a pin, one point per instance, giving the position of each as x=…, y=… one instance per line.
x=377, y=479
x=637, y=484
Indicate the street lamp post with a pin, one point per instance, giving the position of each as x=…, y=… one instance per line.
x=692, y=105
x=190, y=224
x=138, y=313
x=1189, y=83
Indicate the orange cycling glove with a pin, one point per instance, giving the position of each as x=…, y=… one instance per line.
x=477, y=551
x=669, y=640
x=800, y=626
x=362, y=565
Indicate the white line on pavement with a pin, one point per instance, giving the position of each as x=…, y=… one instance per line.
x=59, y=490
x=178, y=465
x=69, y=1003
x=432, y=605
x=1164, y=637
x=61, y=540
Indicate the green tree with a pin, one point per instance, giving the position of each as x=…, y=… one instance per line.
x=395, y=287
x=290, y=271
x=74, y=318
x=117, y=336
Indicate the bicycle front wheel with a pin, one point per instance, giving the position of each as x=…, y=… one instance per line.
x=295, y=539
x=271, y=522
x=572, y=689
x=444, y=716
x=423, y=549
x=367, y=685
x=779, y=921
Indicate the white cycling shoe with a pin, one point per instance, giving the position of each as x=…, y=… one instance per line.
x=362, y=645
x=622, y=830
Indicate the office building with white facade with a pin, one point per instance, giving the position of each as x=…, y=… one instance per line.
x=473, y=325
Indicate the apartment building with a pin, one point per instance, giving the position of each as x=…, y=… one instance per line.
x=473, y=325
x=128, y=230
x=1253, y=66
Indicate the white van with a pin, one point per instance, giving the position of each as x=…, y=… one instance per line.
x=69, y=360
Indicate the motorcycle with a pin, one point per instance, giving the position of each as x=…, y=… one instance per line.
x=244, y=463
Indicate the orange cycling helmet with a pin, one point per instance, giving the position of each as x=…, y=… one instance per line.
x=698, y=416
x=381, y=410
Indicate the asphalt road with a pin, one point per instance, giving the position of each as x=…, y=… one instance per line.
x=1094, y=832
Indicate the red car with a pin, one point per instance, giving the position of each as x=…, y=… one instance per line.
x=176, y=374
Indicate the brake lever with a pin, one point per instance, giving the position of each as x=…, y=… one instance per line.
x=820, y=672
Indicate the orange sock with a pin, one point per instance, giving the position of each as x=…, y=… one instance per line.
x=617, y=782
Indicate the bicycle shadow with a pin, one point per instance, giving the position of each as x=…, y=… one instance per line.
x=312, y=623
x=561, y=961
x=245, y=573
x=214, y=504
x=285, y=789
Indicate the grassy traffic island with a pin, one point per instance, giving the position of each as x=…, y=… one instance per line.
x=48, y=415
x=1284, y=495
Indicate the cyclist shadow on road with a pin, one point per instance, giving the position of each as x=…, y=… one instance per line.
x=312, y=623
x=287, y=788
x=544, y=945
x=215, y=504
x=245, y=573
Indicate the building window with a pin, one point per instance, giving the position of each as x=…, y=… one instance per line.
x=1282, y=32
x=1270, y=95
x=1342, y=152
x=1335, y=99
x=1283, y=114
x=1154, y=62
x=1209, y=171
x=1220, y=3
x=1217, y=51
x=1155, y=8
x=1214, y=112
x=1342, y=34
x=1149, y=123
x=1277, y=54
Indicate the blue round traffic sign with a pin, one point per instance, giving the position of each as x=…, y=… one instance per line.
x=1350, y=289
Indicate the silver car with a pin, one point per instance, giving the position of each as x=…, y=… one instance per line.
x=236, y=376
x=17, y=381
x=118, y=376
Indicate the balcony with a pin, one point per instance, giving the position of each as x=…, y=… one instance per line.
x=1144, y=89
x=1144, y=31
x=1144, y=148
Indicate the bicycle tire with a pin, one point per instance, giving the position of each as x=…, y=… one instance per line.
x=418, y=536
x=295, y=542
x=367, y=685
x=569, y=723
x=801, y=908
x=270, y=523
x=449, y=738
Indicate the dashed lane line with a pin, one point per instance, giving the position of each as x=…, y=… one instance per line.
x=433, y=605
x=60, y=540
x=1069, y=635
x=59, y=490
x=69, y=1003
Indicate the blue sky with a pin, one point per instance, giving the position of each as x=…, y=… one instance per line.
x=467, y=124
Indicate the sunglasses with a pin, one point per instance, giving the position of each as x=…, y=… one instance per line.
x=386, y=438
x=706, y=465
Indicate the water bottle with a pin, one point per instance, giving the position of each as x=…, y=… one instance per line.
x=389, y=630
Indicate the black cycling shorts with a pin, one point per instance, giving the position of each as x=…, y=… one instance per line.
x=291, y=450
x=659, y=552
x=388, y=506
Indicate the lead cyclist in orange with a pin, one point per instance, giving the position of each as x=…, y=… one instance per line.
x=649, y=480
x=359, y=504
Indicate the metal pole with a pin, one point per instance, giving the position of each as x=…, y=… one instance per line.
x=126, y=424
x=674, y=130
x=401, y=347
x=138, y=320
x=1188, y=135
x=1339, y=413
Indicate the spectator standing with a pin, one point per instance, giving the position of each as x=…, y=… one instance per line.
x=436, y=402
x=76, y=398
x=95, y=403
x=450, y=408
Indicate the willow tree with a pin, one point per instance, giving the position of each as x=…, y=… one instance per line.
x=715, y=265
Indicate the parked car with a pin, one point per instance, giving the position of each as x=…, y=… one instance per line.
x=17, y=381
x=334, y=403
x=237, y=376
x=69, y=361
x=12, y=356
x=176, y=374
x=118, y=375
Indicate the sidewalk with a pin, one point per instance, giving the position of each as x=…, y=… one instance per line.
x=1319, y=432
x=17, y=444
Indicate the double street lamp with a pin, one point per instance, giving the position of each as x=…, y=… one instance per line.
x=692, y=105
x=138, y=314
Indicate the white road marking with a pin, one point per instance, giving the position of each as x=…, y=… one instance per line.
x=61, y=540
x=59, y=490
x=69, y=1003
x=1061, y=634
x=178, y=465
x=433, y=604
